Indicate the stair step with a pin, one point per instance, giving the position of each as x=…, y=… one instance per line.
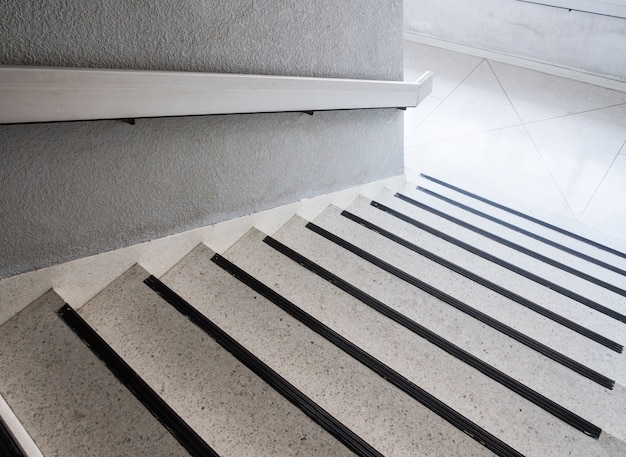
x=573, y=283
x=480, y=399
x=544, y=296
x=594, y=245
x=227, y=404
x=557, y=239
x=532, y=250
x=384, y=416
x=491, y=304
x=66, y=398
x=602, y=406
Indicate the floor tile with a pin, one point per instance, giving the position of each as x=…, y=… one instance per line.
x=414, y=117
x=538, y=96
x=579, y=149
x=504, y=159
x=478, y=105
x=450, y=67
x=607, y=208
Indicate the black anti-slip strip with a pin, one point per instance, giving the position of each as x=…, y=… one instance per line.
x=503, y=263
x=488, y=284
x=525, y=392
x=396, y=379
x=484, y=318
x=8, y=444
x=185, y=435
x=517, y=247
x=527, y=233
x=527, y=217
x=315, y=412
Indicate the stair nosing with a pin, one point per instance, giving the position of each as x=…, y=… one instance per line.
x=523, y=231
x=527, y=217
x=575, y=366
x=287, y=390
x=540, y=257
x=176, y=425
x=503, y=263
x=445, y=412
x=524, y=391
x=555, y=317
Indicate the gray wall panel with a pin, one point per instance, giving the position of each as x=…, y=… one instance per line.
x=75, y=189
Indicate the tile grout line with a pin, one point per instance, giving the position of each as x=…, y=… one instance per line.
x=523, y=124
x=576, y=113
x=446, y=97
x=415, y=127
x=493, y=72
x=603, y=178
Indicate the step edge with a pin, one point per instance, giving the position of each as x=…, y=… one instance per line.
x=17, y=429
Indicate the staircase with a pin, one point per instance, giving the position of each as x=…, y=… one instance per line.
x=427, y=322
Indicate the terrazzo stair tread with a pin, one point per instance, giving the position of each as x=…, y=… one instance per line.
x=597, y=271
x=231, y=408
x=579, y=270
x=404, y=211
x=387, y=418
x=531, y=226
x=605, y=408
x=66, y=398
x=559, y=277
x=559, y=338
x=478, y=397
x=537, y=293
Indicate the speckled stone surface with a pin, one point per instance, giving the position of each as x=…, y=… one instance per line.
x=570, y=343
x=555, y=275
x=503, y=413
x=608, y=407
x=384, y=416
x=552, y=252
x=66, y=398
x=542, y=295
x=533, y=227
x=236, y=412
x=505, y=310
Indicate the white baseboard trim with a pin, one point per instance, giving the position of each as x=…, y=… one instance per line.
x=18, y=431
x=79, y=280
x=518, y=61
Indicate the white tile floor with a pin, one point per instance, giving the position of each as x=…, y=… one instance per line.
x=552, y=142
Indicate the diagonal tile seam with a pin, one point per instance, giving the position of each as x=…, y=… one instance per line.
x=469, y=135
x=448, y=96
x=601, y=181
x=545, y=164
x=414, y=127
x=584, y=98
x=576, y=113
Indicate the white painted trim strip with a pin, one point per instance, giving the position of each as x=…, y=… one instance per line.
x=18, y=431
x=517, y=61
x=43, y=94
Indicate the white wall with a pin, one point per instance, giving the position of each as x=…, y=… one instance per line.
x=581, y=41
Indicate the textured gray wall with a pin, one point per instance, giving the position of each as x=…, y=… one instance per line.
x=74, y=189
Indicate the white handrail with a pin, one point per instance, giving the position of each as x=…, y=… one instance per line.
x=45, y=94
